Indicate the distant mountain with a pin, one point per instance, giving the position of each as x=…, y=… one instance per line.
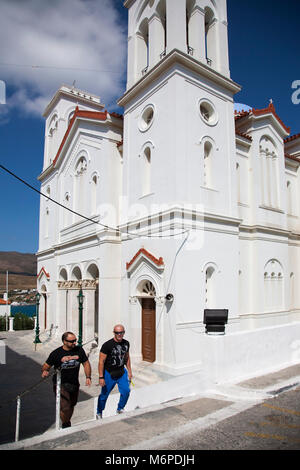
x=22, y=270
x=18, y=263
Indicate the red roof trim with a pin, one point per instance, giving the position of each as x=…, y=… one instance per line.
x=101, y=116
x=261, y=112
x=43, y=271
x=242, y=134
x=157, y=261
x=292, y=137
x=291, y=157
x=116, y=115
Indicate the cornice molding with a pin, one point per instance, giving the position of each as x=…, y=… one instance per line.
x=178, y=57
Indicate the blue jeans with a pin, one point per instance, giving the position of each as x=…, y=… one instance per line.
x=124, y=389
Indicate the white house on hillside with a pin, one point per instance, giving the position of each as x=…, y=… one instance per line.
x=181, y=195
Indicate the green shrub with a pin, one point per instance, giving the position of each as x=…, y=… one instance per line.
x=2, y=323
x=23, y=322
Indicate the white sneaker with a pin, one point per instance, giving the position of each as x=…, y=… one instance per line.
x=119, y=412
x=99, y=415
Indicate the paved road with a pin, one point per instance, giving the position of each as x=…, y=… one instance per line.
x=271, y=425
x=233, y=417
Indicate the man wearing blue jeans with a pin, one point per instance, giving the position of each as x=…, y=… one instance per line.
x=114, y=355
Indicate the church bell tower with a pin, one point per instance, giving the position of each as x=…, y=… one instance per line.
x=179, y=172
x=179, y=137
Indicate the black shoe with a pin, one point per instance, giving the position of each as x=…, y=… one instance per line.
x=66, y=425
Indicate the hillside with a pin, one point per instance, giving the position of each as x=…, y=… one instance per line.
x=21, y=269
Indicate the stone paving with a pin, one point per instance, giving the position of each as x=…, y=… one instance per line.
x=127, y=431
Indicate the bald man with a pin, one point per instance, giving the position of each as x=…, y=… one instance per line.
x=114, y=355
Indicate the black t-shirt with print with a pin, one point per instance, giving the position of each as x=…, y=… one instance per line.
x=117, y=354
x=69, y=369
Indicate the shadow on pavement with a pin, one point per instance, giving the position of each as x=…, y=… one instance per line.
x=37, y=407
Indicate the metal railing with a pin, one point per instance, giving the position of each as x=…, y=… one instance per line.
x=30, y=389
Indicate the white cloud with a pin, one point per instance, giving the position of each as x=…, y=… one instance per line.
x=82, y=40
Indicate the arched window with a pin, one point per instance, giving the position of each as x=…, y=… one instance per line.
x=92, y=272
x=289, y=198
x=146, y=171
x=76, y=274
x=66, y=213
x=53, y=125
x=52, y=131
x=63, y=275
x=143, y=47
x=269, y=172
x=190, y=4
x=207, y=164
x=210, y=287
x=161, y=10
x=80, y=187
x=273, y=286
x=146, y=289
x=47, y=223
x=94, y=187
x=210, y=35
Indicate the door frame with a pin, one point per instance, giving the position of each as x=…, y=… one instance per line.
x=152, y=357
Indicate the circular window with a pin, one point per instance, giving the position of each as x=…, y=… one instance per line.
x=208, y=113
x=146, y=118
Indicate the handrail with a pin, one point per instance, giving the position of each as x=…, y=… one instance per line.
x=20, y=395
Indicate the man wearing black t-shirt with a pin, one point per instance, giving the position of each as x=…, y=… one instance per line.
x=68, y=358
x=114, y=355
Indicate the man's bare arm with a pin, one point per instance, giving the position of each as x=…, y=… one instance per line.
x=102, y=359
x=45, y=370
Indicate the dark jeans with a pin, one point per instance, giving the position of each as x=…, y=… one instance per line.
x=67, y=402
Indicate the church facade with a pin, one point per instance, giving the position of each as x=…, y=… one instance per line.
x=181, y=204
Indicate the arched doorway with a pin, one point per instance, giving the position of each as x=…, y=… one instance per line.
x=147, y=293
x=93, y=274
x=44, y=296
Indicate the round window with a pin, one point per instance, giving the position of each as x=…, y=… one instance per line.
x=208, y=113
x=146, y=118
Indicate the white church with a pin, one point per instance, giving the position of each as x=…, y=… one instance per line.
x=179, y=205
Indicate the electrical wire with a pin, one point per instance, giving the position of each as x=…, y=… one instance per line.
x=56, y=67
x=115, y=229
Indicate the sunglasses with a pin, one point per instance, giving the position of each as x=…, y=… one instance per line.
x=119, y=332
x=71, y=340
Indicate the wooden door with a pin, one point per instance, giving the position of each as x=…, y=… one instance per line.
x=148, y=330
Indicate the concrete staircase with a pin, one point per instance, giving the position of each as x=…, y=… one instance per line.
x=150, y=386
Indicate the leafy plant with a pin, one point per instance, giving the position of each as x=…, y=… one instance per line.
x=23, y=322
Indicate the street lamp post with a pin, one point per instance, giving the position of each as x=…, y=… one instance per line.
x=80, y=306
x=37, y=329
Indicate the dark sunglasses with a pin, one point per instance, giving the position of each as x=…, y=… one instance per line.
x=119, y=332
x=71, y=340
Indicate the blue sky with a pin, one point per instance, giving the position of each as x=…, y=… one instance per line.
x=88, y=44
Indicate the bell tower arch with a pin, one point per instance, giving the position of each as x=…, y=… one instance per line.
x=178, y=91
x=157, y=27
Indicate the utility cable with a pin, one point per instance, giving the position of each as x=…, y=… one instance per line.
x=115, y=229
x=56, y=67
